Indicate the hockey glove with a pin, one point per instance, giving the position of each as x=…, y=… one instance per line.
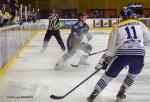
x=103, y=66
x=89, y=36
x=104, y=61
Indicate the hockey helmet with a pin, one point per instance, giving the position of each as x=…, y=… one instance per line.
x=81, y=15
x=126, y=13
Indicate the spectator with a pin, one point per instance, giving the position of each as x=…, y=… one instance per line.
x=11, y=13
x=16, y=19
x=38, y=14
x=14, y=6
x=6, y=5
x=1, y=18
x=95, y=13
x=5, y=16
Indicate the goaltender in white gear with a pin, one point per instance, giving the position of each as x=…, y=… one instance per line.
x=74, y=42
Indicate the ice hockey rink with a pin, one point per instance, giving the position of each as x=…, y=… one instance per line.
x=32, y=78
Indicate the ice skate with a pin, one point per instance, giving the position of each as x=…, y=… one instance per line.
x=121, y=95
x=59, y=65
x=84, y=63
x=83, y=60
x=63, y=49
x=43, y=49
x=92, y=96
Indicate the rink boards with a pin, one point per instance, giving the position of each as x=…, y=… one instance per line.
x=32, y=78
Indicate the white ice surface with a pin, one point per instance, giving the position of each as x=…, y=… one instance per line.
x=33, y=75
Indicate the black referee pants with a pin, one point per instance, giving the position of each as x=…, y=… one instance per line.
x=55, y=33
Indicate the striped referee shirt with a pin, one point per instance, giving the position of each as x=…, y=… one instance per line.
x=53, y=22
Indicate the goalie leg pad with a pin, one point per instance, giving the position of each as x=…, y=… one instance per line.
x=87, y=48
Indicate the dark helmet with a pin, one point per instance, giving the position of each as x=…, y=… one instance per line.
x=52, y=12
x=126, y=13
x=81, y=15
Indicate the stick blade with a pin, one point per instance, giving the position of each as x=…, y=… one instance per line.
x=74, y=65
x=56, y=97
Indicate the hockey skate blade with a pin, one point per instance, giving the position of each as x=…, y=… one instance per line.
x=56, y=97
x=88, y=100
x=79, y=65
x=119, y=100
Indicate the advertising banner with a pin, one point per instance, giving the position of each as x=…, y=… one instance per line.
x=114, y=22
x=97, y=23
x=67, y=23
x=106, y=23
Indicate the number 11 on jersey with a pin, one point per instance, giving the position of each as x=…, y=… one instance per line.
x=129, y=33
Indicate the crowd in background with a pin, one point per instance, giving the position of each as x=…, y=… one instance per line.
x=11, y=12
x=100, y=13
x=92, y=13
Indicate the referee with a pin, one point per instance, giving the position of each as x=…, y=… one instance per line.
x=53, y=29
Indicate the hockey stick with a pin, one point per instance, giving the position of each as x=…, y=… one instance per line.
x=97, y=52
x=61, y=97
x=89, y=55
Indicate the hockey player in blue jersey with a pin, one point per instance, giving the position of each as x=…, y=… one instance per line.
x=74, y=42
x=125, y=47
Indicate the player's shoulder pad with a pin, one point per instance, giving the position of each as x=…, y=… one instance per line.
x=128, y=21
x=85, y=24
x=55, y=17
x=76, y=25
x=50, y=17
